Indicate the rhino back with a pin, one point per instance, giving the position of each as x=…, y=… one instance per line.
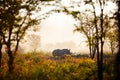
x=62, y=52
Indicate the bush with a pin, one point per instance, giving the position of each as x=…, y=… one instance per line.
x=42, y=67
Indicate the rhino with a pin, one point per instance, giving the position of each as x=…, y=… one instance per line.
x=61, y=52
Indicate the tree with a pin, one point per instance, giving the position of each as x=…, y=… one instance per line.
x=101, y=31
x=14, y=24
x=86, y=27
x=112, y=36
x=16, y=19
x=95, y=30
x=33, y=41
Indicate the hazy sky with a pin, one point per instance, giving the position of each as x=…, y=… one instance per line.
x=57, y=32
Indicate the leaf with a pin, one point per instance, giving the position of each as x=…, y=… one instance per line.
x=88, y=1
x=75, y=13
x=46, y=0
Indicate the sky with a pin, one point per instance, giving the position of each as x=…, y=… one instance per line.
x=56, y=31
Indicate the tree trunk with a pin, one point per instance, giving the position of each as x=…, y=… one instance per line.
x=102, y=43
x=90, y=51
x=93, y=51
x=118, y=53
x=90, y=48
x=10, y=55
x=112, y=48
x=10, y=61
x=97, y=45
x=118, y=65
x=98, y=62
x=16, y=47
x=0, y=55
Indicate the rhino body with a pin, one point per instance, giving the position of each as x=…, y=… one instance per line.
x=61, y=52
